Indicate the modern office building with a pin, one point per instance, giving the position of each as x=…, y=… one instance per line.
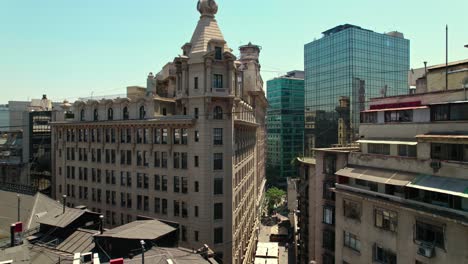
x=285, y=125
x=188, y=148
x=353, y=62
x=4, y=118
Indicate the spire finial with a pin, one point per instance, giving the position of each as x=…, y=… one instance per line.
x=207, y=7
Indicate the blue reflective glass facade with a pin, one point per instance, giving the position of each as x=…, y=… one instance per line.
x=285, y=124
x=353, y=62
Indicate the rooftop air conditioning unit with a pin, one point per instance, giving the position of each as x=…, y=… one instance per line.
x=426, y=251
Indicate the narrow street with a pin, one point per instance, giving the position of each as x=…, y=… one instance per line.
x=264, y=236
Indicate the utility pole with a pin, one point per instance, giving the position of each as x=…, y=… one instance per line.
x=446, y=57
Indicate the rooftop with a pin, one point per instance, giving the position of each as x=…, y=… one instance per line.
x=453, y=63
x=143, y=229
x=341, y=28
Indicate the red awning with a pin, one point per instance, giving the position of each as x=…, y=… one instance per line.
x=394, y=109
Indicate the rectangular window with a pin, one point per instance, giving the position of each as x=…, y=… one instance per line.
x=218, y=81
x=328, y=239
x=369, y=117
x=184, y=140
x=195, y=83
x=183, y=233
x=196, y=211
x=218, y=235
x=176, y=184
x=157, y=205
x=382, y=149
x=145, y=181
x=184, y=185
x=406, y=151
x=195, y=235
x=164, y=206
x=329, y=215
x=440, y=112
x=218, y=53
x=399, y=116
x=327, y=192
x=217, y=136
x=146, y=203
x=196, y=186
x=196, y=112
x=157, y=136
x=163, y=159
x=352, y=209
x=176, y=136
x=184, y=210
x=184, y=158
x=430, y=233
x=157, y=159
x=157, y=182
x=455, y=152
x=139, y=180
x=218, y=161
x=218, y=211
x=383, y=256
x=139, y=202
x=351, y=241
x=386, y=219
x=218, y=186
x=195, y=161
x=129, y=157
x=129, y=179
x=129, y=200
x=176, y=208
x=196, y=136
x=164, y=183
x=176, y=160
x=164, y=136
x=98, y=198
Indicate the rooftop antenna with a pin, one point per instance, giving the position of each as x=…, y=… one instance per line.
x=446, y=57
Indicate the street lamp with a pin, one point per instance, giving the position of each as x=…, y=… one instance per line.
x=142, y=242
x=19, y=205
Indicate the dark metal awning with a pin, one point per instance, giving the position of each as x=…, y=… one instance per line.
x=452, y=186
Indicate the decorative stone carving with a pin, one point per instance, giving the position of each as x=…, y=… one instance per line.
x=207, y=7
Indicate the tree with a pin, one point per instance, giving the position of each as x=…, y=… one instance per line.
x=274, y=196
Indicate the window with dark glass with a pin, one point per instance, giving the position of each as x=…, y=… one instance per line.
x=218, y=81
x=352, y=209
x=157, y=205
x=407, y=150
x=164, y=136
x=455, y=152
x=125, y=113
x=328, y=239
x=382, y=255
x=176, y=184
x=164, y=206
x=176, y=160
x=218, y=113
x=399, y=116
x=386, y=219
x=176, y=136
x=196, y=186
x=184, y=139
x=195, y=83
x=110, y=114
x=95, y=115
x=218, y=186
x=163, y=159
x=218, y=235
x=195, y=161
x=196, y=211
x=196, y=112
x=184, y=210
x=184, y=185
x=142, y=112
x=184, y=157
x=157, y=136
x=196, y=136
x=176, y=208
x=430, y=233
x=218, y=211
x=382, y=149
x=218, y=161
x=327, y=192
x=351, y=241
x=369, y=117
x=217, y=136
x=82, y=115
x=157, y=159
x=218, y=53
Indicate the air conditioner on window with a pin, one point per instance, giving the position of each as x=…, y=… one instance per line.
x=426, y=251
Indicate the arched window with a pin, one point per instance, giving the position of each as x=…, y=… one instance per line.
x=125, y=113
x=110, y=114
x=82, y=115
x=465, y=83
x=142, y=112
x=95, y=115
x=218, y=112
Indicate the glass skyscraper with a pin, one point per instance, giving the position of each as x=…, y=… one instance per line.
x=349, y=61
x=285, y=124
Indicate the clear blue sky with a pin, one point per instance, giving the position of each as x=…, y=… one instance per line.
x=68, y=49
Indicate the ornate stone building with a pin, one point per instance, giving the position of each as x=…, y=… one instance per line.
x=189, y=148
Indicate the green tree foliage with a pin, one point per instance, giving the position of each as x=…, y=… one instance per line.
x=274, y=196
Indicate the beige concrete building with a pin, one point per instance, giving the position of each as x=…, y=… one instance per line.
x=188, y=148
x=403, y=198
x=434, y=77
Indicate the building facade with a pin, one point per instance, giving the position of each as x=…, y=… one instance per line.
x=402, y=198
x=434, y=77
x=353, y=62
x=188, y=148
x=285, y=125
x=4, y=118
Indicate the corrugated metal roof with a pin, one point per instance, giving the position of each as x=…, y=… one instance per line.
x=80, y=241
x=392, y=177
x=452, y=186
x=143, y=229
x=62, y=219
